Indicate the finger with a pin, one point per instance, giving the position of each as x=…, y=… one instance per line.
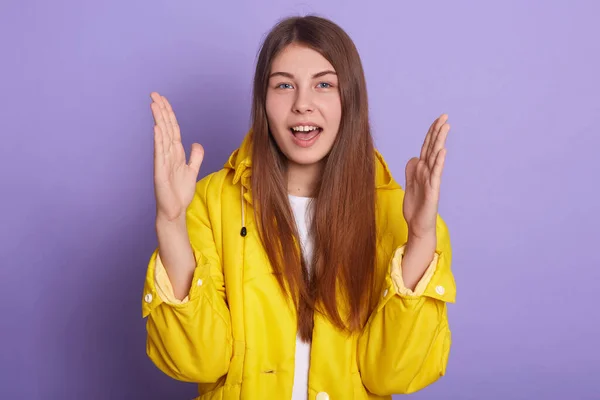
x=440, y=143
x=427, y=140
x=173, y=121
x=156, y=114
x=158, y=99
x=161, y=121
x=196, y=157
x=436, y=175
x=165, y=113
x=436, y=130
x=410, y=171
x=159, y=152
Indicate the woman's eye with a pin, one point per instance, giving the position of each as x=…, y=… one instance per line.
x=324, y=85
x=284, y=86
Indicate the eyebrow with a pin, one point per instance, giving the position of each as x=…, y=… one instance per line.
x=288, y=75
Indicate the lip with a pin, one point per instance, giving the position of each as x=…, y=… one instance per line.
x=306, y=143
x=306, y=123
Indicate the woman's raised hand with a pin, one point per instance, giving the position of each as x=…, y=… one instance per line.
x=174, y=179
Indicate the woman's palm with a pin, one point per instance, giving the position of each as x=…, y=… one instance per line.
x=423, y=180
x=174, y=179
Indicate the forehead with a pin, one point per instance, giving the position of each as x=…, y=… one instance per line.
x=300, y=60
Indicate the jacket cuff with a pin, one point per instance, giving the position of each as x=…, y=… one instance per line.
x=158, y=288
x=163, y=284
x=396, y=272
x=437, y=281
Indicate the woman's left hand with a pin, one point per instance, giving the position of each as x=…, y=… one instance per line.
x=423, y=179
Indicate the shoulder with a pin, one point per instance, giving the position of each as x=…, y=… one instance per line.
x=212, y=184
x=207, y=203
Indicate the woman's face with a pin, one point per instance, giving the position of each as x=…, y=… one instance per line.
x=303, y=104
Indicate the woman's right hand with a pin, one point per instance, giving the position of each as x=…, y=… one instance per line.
x=174, y=179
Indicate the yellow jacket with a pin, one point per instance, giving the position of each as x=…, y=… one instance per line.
x=235, y=334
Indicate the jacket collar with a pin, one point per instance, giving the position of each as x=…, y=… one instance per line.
x=240, y=161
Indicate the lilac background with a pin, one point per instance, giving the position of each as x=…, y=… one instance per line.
x=519, y=80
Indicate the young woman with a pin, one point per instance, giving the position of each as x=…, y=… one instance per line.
x=301, y=269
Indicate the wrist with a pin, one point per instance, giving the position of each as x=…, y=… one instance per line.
x=420, y=251
x=421, y=243
x=165, y=224
x=418, y=254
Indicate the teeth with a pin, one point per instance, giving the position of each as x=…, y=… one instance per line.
x=304, y=128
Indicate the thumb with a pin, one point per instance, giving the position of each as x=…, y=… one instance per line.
x=411, y=167
x=196, y=157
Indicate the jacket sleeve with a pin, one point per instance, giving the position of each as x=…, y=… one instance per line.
x=190, y=340
x=406, y=342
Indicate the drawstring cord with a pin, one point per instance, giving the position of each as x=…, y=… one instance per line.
x=243, y=232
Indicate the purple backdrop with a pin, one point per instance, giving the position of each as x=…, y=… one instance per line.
x=518, y=79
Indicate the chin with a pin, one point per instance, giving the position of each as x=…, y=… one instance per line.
x=310, y=158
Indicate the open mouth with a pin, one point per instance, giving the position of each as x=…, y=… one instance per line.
x=306, y=132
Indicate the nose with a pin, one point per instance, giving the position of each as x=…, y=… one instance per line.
x=304, y=102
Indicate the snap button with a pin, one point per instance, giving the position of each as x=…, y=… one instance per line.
x=440, y=290
x=199, y=282
x=322, y=396
x=148, y=298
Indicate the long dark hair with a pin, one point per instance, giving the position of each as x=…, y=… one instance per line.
x=341, y=284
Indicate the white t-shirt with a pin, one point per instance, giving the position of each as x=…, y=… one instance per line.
x=300, y=208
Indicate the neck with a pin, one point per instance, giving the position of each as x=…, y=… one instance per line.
x=302, y=179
